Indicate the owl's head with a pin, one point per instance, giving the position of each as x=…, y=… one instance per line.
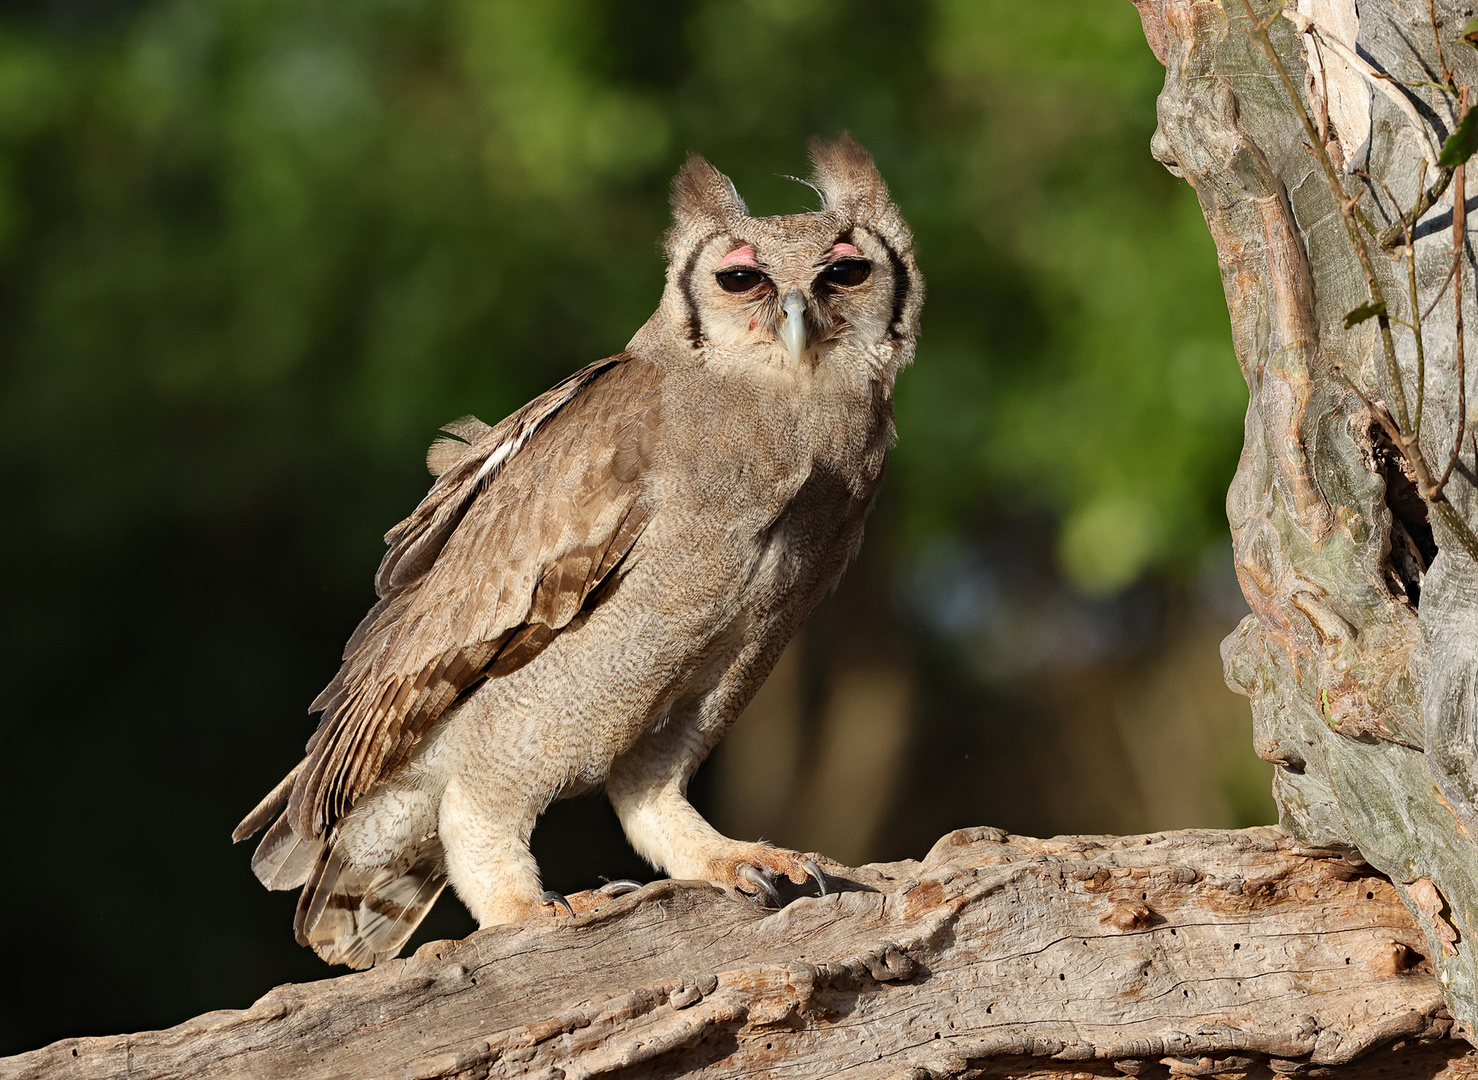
x=835, y=286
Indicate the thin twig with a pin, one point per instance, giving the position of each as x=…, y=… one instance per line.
x=1418, y=84
x=1446, y=281
x=1459, y=235
x=1406, y=440
x=1391, y=235
x=1438, y=503
x=1355, y=197
x=1437, y=39
x=1416, y=315
x=1365, y=222
x=1413, y=298
x=1375, y=408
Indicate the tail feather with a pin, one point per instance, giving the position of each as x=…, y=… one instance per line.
x=362, y=917
x=284, y=859
x=268, y=808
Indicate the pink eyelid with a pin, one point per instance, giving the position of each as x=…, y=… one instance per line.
x=740, y=256
x=845, y=251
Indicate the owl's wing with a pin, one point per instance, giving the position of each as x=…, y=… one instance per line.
x=525, y=523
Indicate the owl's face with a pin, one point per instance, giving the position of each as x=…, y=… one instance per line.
x=838, y=286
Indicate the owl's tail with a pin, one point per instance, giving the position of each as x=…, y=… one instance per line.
x=361, y=917
x=347, y=915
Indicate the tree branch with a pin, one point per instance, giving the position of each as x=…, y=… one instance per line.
x=996, y=955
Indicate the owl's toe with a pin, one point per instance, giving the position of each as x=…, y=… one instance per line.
x=756, y=869
x=619, y=887
x=551, y=898
x=760, y=880
x=578, y=903
x=816, y=875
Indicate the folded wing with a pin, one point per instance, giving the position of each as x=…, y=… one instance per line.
x=524, y=525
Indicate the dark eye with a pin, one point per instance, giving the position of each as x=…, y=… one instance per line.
x=847, y=272
x=740, y=279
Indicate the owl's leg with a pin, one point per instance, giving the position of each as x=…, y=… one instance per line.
x=487, y=854
x=647, y=786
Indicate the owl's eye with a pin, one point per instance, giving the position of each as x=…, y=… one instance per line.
x=739, y=279
x=847, y=272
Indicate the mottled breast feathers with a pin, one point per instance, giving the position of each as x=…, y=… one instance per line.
x=525, y=523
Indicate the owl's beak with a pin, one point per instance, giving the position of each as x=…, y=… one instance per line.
x=793, y=328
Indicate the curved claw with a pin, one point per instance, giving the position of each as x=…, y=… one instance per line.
x=556, y=898
x=816, y=875
x=619, y=887
x=756, y=877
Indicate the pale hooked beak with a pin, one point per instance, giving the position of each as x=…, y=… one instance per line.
x=793, y=328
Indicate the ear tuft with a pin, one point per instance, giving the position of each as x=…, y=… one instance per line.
x=701, y=191
x=848, y=178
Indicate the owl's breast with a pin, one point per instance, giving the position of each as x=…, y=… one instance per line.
x=766, y=481
x=811, y=538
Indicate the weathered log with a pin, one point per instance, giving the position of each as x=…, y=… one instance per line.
x=1210, y=953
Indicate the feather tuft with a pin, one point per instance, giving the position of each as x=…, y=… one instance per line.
x=849, y=180
x=457, y=438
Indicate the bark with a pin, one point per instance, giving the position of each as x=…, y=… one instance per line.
x=1189, y=953
x=1361, y=652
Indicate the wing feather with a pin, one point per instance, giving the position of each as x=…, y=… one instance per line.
x=526, y=522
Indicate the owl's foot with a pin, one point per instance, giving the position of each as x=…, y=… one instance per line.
x=755, y=867
x=550, y=902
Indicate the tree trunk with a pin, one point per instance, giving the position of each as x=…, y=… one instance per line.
x=1361, y=649
x=1208, y=953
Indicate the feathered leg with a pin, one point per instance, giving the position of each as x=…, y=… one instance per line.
x=488, y=857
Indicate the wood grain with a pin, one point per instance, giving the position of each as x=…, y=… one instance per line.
x=1185, y=953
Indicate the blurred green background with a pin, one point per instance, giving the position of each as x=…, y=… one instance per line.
x=253, y=253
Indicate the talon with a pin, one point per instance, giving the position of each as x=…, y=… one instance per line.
x=619, y=887
x=816, y=874
x=556, y=898
x=760, y=881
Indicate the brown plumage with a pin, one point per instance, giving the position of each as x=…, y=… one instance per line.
x=593, y=589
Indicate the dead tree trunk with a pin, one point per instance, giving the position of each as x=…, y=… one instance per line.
x=1200, y=953
x=1360, y=565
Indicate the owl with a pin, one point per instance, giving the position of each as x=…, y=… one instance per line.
x=594, y=588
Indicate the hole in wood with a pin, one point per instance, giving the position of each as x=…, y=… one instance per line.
x=1413, y=547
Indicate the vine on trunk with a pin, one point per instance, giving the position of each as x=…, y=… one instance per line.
x=1397, y=420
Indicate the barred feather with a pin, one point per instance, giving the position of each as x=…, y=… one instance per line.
x=362, y=917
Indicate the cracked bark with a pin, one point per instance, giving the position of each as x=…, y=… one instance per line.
x=1186, y=953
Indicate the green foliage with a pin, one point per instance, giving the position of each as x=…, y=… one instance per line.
x=255, y=251
x=1461, y=144
x=1368, y=310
